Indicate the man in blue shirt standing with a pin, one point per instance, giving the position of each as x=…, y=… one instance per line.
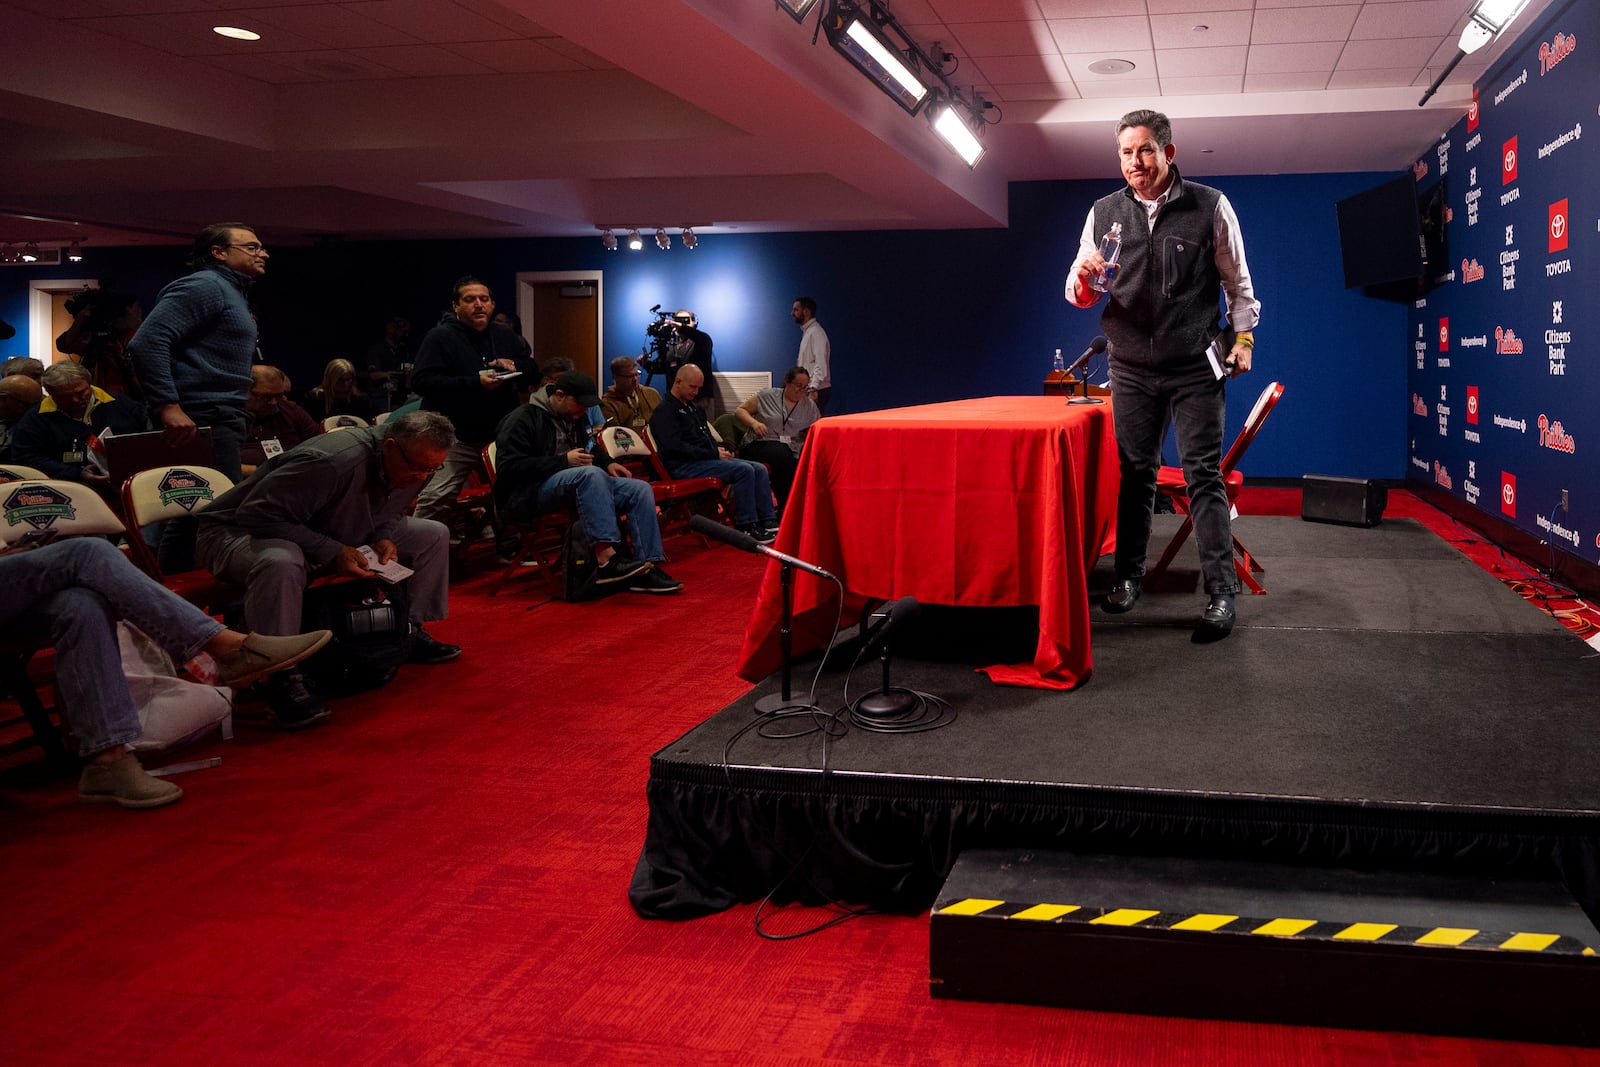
x=194, y=350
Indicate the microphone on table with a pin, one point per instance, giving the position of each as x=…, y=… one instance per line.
x=1097, y=346
x=745, y=543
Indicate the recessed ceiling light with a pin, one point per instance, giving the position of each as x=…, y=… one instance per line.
x=1202, y=28
x=236, y=33
x=1110, y=66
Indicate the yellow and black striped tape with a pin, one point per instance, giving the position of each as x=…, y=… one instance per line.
x=1372, y=933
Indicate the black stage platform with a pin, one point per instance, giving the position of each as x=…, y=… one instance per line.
x=1386, y=705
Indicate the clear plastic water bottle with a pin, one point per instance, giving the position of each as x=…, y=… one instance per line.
x=1060, y=364
x=1110, y=249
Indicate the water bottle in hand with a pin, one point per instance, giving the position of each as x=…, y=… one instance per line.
x=1110, y=249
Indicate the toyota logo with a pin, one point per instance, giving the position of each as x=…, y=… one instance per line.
x=1508, y=493
x=1558, y=225
x=1511, y=160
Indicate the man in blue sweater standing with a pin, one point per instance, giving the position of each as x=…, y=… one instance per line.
x=194, y=350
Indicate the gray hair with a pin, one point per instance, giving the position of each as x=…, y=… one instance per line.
x=64, y=373
x=1158, y=124
x=427, y=427
x=21, y=365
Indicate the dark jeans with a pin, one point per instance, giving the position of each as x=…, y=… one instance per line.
x=780, y=459
x=227, y=435
x=1197, y=402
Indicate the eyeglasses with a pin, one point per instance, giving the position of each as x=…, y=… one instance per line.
x=412, y=465
x=268, y=396
x=254, y=248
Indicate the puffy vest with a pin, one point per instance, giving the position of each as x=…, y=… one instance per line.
x=1164, y=304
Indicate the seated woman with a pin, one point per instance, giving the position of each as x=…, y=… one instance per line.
x=338, y=394
x=779, y=419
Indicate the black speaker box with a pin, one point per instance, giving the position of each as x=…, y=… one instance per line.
x=1347, y=501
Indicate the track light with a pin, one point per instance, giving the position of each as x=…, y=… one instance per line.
x=797, y=9
x=30, y=253
x=608, y=240
x=663, y=242
x=952, y=124
x=869, y=47
x=75, y=253
x=635, y=242
x=1489, y=19
x=690, y=241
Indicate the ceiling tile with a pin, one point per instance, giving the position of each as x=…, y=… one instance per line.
x=1297, y=25
x=261, y=68
x=1213, y=83
x=1012, y=70
x=329, y=25
x=1375, y=78
x=188, y=33
x=512, y=21
x=980, y=39
x=577, y=53
x=1036, y=91
x=1264, y=5
x=1290, y=58
x=908, y=11
x=975, y=11
x=1118, y=34
x=1289, y=82
x=1069, y=9
x=330, y=64
x=1144, y=67
x=1375, y=55
x=1142, y=87
x=515, y=57
x=1222, y=28
x=435, y=21
x=1171, y=7
x=1200, y=62
x=1417, y=18
x=63, y=9
x=420, y=60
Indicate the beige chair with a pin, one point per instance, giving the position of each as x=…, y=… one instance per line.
x=343, y=422
x=16, y=472
x=164, y=493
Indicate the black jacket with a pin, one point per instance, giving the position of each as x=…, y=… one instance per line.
x=681, y=433
x=58, y=445
x=446, y=375
x=532, y=444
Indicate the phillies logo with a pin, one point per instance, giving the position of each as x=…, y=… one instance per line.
x=1506, y=342
x=1553, y=52
x=1554, y=436
x=1472, y=405
x=1508, y=162
x=1471, y=271
x=1472, y=113
x=1419, y=406
x=39, y=506
x=184, y=488
x=1558, y=226
x=1444, y=335
x=1508, y=493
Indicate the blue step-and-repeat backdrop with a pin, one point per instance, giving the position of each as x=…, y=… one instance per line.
x=1504, y=377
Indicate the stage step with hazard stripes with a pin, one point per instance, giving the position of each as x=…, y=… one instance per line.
x=1223, y=939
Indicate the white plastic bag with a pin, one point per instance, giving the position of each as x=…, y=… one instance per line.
x=171, y=709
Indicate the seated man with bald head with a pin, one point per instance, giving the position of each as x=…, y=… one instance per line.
x=683, y=437
x=19, y=394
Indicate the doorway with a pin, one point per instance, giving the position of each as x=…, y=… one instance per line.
x=562, y=314
x=47, y=313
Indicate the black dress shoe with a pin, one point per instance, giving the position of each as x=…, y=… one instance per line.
x=424, y=649
x=1123, y=596
x=1216, y=622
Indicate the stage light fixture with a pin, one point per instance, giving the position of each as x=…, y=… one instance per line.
x=635, y=242
x=865, y=44
x=663, y=242
x=1489, y=19
x=30, y=253
x=953, y=125
x=690, y=241
x=608, y=240
x=236, y=33
x=797, y=9
x=75, y=253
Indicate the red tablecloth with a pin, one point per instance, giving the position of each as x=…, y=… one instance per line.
x=1001, y=501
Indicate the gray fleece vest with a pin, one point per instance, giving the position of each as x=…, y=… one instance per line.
x=1163, y=308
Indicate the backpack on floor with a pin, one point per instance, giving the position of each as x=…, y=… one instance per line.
x=578, y=566
x=371, y=625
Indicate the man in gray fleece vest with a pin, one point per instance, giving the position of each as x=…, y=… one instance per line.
x=194, y=350
x=1181, y=248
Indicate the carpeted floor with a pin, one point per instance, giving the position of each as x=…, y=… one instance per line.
x=439, y=877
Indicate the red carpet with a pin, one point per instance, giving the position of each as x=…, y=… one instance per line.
x=439, y=877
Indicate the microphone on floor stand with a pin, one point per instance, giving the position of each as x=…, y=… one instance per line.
x=1097, y=346
x=739, y=539
x=889, y=702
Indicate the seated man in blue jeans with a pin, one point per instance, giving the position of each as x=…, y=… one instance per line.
x=544, y=461
x=687, y=448
x=75, y=591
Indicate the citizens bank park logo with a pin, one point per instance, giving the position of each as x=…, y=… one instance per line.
x=1444, y=335
x=1471, y=271
x=1506, y=342
x=1508, y=162
x=1558, y=225
x=1553, y=436
x=183, y=488
x=1553, y=52
x=1472, y=405
x=39, y=506
x=1508, y=493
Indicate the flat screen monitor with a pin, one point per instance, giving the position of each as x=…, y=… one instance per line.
x=1380, y=235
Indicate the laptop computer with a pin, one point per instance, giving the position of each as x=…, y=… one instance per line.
x=128, y=454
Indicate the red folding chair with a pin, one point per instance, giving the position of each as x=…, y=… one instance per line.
x=544, y=540
x=1170, y=480
x=162, y=494
x=678, y=498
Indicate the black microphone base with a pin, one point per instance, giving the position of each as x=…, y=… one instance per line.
x=887, y=703
x=774, y=702
x=1087, y=400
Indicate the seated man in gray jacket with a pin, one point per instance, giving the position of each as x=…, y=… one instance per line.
x=309, y=512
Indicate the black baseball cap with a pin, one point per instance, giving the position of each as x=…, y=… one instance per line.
x=580, y=387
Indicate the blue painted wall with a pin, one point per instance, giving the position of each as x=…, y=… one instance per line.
x=914, y=317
